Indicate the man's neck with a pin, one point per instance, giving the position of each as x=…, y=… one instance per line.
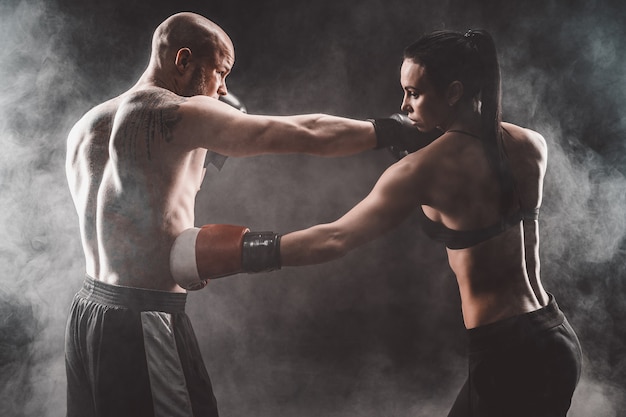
x=152, y=78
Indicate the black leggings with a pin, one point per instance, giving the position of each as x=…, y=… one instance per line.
x=524, y=366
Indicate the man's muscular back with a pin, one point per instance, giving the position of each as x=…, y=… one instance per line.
x=134, y=187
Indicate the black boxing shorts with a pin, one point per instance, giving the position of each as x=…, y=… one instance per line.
x=133, y=352
x=527, y=365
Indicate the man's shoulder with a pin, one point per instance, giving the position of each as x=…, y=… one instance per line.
x=152, y=97
x=99, y=113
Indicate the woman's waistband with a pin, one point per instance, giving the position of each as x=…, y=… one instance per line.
x=516, y=329
x=132, y=298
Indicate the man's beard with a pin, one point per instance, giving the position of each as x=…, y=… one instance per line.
x=198, y=84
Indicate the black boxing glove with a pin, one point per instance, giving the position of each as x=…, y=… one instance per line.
x=400, y=136
x=219, y=250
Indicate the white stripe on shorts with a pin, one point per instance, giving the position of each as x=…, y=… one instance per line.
x=167, y=380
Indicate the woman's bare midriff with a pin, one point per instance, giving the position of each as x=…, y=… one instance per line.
x=492, y=278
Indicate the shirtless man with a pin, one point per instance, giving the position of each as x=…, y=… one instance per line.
x=134, y=166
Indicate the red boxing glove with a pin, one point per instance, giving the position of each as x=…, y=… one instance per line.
x=219, y=250
x=209, y=252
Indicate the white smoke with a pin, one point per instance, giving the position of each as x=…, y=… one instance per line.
x=378, y=333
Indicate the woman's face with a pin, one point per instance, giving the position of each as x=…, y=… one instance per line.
x=425, y=106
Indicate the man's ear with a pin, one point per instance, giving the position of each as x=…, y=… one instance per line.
x=454, y=92
x=183, y=58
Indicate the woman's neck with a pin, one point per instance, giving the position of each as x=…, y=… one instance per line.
x=464, y=116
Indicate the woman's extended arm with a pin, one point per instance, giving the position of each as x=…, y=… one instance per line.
x=392, y=199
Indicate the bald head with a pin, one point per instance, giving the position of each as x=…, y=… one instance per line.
x=204, y=38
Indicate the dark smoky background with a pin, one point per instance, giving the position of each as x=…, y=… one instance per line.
x=378, y=332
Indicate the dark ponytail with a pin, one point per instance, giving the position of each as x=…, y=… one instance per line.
x=490, y=90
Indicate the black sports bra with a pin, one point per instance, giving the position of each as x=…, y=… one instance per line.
x=461, y=239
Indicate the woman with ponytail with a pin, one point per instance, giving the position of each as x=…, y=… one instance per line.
x=478, y=188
